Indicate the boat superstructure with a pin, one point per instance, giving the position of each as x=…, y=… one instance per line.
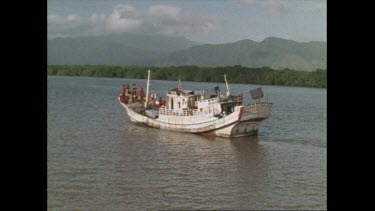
x=192, y=112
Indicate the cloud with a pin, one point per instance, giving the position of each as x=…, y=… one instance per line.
x=58, y=19
x=98, y=18
x=318, y=6
x=276, y=7
x=71, y=17
x=174, y=21
x=123, y=8
x=122, y=19
x=162, y=19
x=283, y=7
x=164, y=11
x=57, y=24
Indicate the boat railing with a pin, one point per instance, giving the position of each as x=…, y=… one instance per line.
x=210, y=101
x=170, y=112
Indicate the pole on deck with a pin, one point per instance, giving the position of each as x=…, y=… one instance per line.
x=148, y=84
x=226, y=83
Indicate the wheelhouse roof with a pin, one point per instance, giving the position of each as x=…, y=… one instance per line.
x=179, y=91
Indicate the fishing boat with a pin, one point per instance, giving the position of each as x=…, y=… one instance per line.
x=192, y=111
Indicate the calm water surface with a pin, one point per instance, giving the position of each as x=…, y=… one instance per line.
x=98, y=160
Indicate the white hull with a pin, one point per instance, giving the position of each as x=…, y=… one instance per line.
x=244, y=121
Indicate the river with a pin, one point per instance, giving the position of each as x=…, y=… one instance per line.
x=98, y=160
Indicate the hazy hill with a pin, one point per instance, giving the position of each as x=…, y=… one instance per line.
x=118, y=49
x=157, y=50
x=271, y=52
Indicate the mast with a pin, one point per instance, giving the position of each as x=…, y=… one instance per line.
x=179, y=83
x=148, y=84
x=226, y=83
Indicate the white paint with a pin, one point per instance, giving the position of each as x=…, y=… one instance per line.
x=203, y=123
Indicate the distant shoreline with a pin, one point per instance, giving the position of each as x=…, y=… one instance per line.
x=236, y=74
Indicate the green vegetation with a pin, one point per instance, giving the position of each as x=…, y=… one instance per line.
x=235, y=74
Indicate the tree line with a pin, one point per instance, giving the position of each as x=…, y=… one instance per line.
x=236, y=74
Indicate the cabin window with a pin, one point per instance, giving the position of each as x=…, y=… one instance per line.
x=179, y=104
x=172, y=103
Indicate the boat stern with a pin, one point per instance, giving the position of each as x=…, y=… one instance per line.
x=256, y=112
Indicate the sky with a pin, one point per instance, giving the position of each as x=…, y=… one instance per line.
x=203, y=21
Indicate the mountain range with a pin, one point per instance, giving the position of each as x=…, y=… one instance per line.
x=158, y=50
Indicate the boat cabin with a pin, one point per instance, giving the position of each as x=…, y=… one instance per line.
x=193, y=103
x=179, y=99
